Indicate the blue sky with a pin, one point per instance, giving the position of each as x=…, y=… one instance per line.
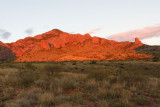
x=21, y=18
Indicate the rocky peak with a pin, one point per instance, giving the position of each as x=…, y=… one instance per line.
x=137, y=41
x=55, y=32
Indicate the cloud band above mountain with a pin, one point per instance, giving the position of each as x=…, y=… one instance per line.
x=94, y=30
x=140, y=33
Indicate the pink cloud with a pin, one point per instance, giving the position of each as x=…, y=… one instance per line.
x=94, y=30
x=140, y=33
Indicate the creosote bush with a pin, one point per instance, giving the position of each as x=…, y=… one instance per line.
x=155, y=59
x=52, y=70
x=93, y=62
x=30, y=66
x=27, y=78
x=98, y=75
x=46, y=99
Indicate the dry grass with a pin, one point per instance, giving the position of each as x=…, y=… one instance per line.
x=46, y=99
x=77, y=84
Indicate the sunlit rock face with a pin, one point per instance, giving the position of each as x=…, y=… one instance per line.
x=57, y=45
x=137, y=41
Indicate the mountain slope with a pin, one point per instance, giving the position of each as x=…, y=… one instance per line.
x=5, y=52
x=57, y=45
x=150, y=50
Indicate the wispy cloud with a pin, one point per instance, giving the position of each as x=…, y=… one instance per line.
x=140, y=33
x=29, y=31
x=4, y=34
x=94, y=30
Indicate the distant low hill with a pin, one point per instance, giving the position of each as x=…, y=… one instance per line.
x=5, y=52
x=57, y=45
x=150, y=50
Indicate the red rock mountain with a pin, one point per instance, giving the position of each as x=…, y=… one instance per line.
x=57, y=45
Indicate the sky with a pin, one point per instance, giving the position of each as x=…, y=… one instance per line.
x=102, y=18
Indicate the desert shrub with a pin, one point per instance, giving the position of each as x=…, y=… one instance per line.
x=7, y=65
x=10, y=79
x=82, y=69
x=58, y=90
x=70, y=84
x=98, y=75
x=74, y=63
x=30, y=66
x=140, y=100
x=103, y=103
x=52, y=70
x=25, y=99
x=131, y=78
x=46, y=99
x=93, y=97
x=155, y=94
x=27, y=78
x=8, y=94
x=110, y=95
x=64, y=84
x=93, y=62
x=120, y=103
x=61, y=99
x=77, y=99
x=32, y=95
x=91, y=85
x=155, y=59
x=153, y=83
x=76, y=68
x=66, y=104
x=115, y=91
x=40, y=83
x=19, y=103
x=113, y=80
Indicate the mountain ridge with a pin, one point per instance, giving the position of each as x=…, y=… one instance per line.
x=56, y=45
